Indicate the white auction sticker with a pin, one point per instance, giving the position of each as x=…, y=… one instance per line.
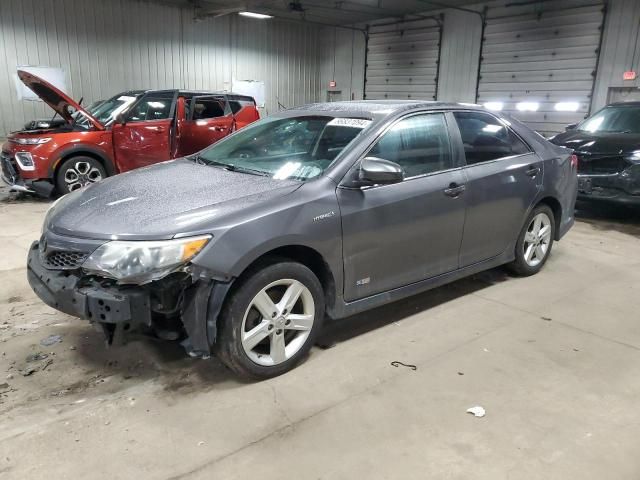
x=350, y=122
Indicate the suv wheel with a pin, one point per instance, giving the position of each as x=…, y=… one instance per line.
x=535, y=241
x=271, y=320
x=78, y=172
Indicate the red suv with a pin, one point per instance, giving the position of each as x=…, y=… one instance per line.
x=130, y=130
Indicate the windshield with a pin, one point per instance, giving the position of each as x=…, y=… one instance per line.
x=106, y=112
x=298, y=147
x=616, y=119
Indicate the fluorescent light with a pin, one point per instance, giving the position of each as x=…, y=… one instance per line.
x=261, y=16
x=528, y=106
x=490, y=128
x=496, y=106
x=567, y=106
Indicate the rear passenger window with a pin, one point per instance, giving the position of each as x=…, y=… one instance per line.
x=419, y=144
x=204, y=108
x=153, y=106
x=485, y=138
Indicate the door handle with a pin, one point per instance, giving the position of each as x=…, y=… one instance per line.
x=533, y=171
x=454, y=190
x=157, y=129
x=221, y=129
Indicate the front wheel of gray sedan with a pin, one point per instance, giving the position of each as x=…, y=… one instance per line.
x=535, y=241
x=271, y=320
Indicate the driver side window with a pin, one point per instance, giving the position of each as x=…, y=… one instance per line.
x=153, y=106
x=419, y=144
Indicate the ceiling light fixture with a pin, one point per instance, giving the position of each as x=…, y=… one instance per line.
x=260, y=16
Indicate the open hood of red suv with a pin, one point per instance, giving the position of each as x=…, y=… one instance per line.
x=56, y=99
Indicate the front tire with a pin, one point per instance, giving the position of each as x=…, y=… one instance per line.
x=78, y=172
x=534, y=242
x=271, y=320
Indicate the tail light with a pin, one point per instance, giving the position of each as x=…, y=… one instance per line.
x=574, y=161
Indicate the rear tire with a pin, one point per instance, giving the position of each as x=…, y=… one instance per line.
x=534, y=242
x=78, y=172
x=270, y=320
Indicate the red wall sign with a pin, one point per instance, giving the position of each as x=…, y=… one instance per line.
x=333, y=83
x=630, y=75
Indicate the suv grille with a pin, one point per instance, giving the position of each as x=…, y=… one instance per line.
x=65, y=260
x=593, y=165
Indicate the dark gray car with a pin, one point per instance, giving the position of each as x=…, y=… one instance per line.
x=242, y=249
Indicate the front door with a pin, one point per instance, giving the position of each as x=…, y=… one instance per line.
x=503, y=179
x=395, y=235
x=207, y=121
x=145, y=138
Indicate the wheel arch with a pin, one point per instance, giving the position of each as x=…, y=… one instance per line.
x=304, y=255
x=84, y=151
x=556, y=207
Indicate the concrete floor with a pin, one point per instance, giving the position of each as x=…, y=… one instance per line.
x=554, y=359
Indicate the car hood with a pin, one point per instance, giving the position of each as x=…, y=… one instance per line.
x=174, y=198
x=598, y=143
x=61, y=103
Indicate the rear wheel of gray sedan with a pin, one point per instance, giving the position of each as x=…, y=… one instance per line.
x=271, y=320
x=535, y=241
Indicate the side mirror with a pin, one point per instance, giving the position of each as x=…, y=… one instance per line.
x=120, y=120
x=571, y=126
x=377, y=171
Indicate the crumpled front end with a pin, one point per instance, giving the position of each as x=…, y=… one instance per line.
x=608, y=177
x=175, y=307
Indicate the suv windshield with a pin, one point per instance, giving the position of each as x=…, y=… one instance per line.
x=106, y=112
x=298, y=147
x=614, y=119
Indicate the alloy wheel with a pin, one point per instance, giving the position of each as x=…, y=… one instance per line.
x=278, y=322
x=537, y=239
x=81, y=174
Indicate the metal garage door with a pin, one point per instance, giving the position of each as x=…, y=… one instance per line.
x=402, y=61
x=539, y=62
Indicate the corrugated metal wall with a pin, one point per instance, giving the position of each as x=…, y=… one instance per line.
x=620, y=51
x=459, y=56
x=107, y=46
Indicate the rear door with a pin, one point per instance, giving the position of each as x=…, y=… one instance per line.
x=208, y=119
x=145, y=138
x=503, y=175
x=395, y=235
x=244, y=109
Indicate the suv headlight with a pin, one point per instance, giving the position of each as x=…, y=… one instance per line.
x=31, y=141
x=142, y=261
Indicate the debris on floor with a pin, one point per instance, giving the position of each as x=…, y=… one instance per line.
x=477, y=411
x=396, y=364
x=51, y=340
x=34, y=357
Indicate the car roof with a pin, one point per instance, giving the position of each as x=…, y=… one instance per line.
x=625, y=104
x=378, y=108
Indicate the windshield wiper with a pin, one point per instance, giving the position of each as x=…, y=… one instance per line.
x=227, y=166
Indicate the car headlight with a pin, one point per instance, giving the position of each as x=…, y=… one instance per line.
x=31, y=141
x=143, y=261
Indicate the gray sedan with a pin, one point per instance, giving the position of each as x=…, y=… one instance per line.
x=325, y=210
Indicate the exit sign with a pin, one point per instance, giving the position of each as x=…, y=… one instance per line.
x=629, y=75
x=332, y=84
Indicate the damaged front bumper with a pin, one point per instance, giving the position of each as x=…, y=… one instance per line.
x=610, y=179
x=188, y=306
x=10, y=175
